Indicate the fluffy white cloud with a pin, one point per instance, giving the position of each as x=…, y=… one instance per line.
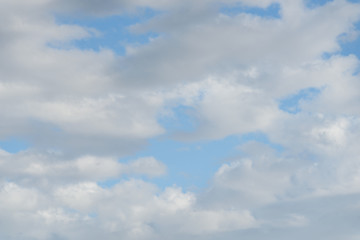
x=81, y=110
x=131, y=209
x=35, y=168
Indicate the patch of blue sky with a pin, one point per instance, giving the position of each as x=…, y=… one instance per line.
x=327, y=55
x=190, y=164
x=113, y=31
x=319, y=3
x=14, y=145
x=316, y=3
x=291, y=104
x=351, y=46
x=182, y=118
x=272, y=11
x=261, y=138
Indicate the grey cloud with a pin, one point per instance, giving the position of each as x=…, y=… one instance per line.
x=112, y=7
x=215, y=44
x=99, y=90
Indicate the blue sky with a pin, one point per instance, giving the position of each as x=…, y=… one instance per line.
x=14, y=145
x=113, y=31
x=184, y=120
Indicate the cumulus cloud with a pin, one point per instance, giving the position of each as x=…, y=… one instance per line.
x=82, y=110
x=34, y=168
x=132, y=209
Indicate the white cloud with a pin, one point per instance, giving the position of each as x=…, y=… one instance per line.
x=132, y=209
x=16, y=198
x=44, y=169
x=89, y=97
x=148, y=166
x=82, y=110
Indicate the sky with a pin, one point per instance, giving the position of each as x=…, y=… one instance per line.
x=199, y=120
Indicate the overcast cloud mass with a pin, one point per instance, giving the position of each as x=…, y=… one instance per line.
x=262, y=95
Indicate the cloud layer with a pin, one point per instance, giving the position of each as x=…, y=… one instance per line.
x=82, y=110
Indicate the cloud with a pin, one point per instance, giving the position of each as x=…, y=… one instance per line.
x=148, y=166
x=83, y=99
x=38, y=168
x=81, y=110
x=213, y=43
x=131, y=208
